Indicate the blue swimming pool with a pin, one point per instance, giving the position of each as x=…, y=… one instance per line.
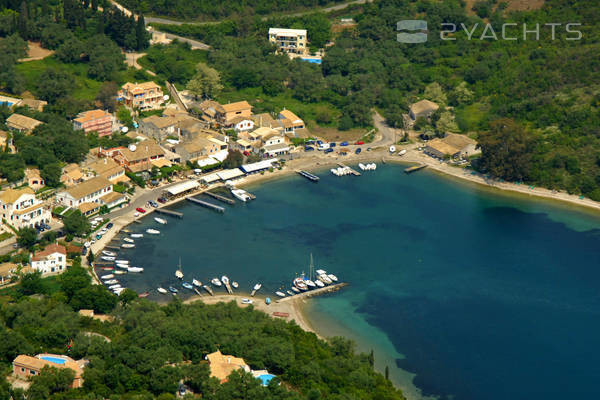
x=55, y=360
x=265, y=379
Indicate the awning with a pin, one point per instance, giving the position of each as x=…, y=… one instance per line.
x=230, y=174
x=182, y=187
x=258, y=166
x=210, y=178
x=220, y=155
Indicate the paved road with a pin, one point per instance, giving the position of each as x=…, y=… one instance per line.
x=387, y=135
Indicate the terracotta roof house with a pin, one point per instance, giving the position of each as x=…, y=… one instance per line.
x=221, y=365
x=196, y=148
x=22, y=123
x=20, y=208
x=290, y=121
x=34, y=104
x=90, y=191
x=71, y=175
x=94, y=121
x=423, y=108
x=265, y=120
x=159, y=128
x=226, y=112
x=140, y=157
x=51, y=260
x=25, y=366
x=241, y=123
x=453, y=145
x=145, y=95
x=34, y=179
x=109, y=169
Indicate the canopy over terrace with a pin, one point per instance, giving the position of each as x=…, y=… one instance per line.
x=230, y=174
x=182, y=187
x=258, y=166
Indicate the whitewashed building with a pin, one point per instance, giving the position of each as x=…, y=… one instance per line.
x=90, y=191
x=51, y=260
x=21, y=209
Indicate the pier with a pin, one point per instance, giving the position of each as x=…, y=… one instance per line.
x=352, y=171
x=206, y=204
x=220, y=198
x=415, y=168
x=169, y=212
x=314, y=292
x=308, y=175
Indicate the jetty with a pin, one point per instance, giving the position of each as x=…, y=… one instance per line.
x=415, y=168
x=206, y=204
x=315, y=292
x=220, y=198
x=209, y=290
x=308, y=175
x=169, y=212
x=352, y=171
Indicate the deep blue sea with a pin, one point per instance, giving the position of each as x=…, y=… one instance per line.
x=464, y=292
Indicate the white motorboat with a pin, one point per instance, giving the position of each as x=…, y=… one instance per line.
x=320, y=271
x=241, y=194
x=118, y=291
x=300, y=284
x=196, y=283
x=135, y=269
x=108, y=276
x=310, y=283
x=325, y=279
x=246, y=301
x=121, y=261
x=178, y=274
x=122, y=266
x=216, y=281
x=319, y=283
x=111, y=282
x=108, y=253
x=235, y=284
x=160, y=220
x=295, y=289
x=162, y=290
x=289, y=292
x=332, y=277
x=225, y=280
x=120, y=272
x=280, y=294
x=128, y=245
x=116, y=285
x=257, y=286
x=137, y=235
x=128, y=240
x=107, y=258
x=361, y=166
x=153, y=231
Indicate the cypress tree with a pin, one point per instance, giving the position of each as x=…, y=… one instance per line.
x=387, y=373
x=371, y=358
x=140, y=33
x=23, y=21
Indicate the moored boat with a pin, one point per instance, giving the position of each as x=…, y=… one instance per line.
x=107, y=258
x=196, y=282
x=108, y=253
x=280, y=294
x=128, y=245
x=108, y=276
x=135, y=269
x=187, y=285
x=160, y=220
x=235, y=284
x=162, y=290
x=116, y=285
x=332, y=277
x=173, y=290
x=295, y=289
x=225, y=280
x=122, y=266
x=310, y=283
x=119, y=290
x=145, y=294
x=268, y=301
x=137, y=235
x=121, y=261
x=319, y=283
x=215, y=281
x=128, y=240
x=120, y=272
x=257, y=286
x=325, y=279
x=320, y=272
x=179, y=272
x=241, y=194
x=300, y=284
x=111, y=282
x=153, y=231
x=289, y=292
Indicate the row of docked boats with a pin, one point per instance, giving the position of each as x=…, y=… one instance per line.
x=341, y=171
x=305, y=283
x=367, y=167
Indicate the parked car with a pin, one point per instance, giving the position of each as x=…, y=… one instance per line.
x=153, y=204
x=246, y=153
x=161, y=200
x=344, y=144
x=84, y=251
x=358, y=151
x=309, y=148
x=140, y=210
x=329, y=150
x=359, y=142
x=110, y=225
x=332, y=144
x=319, y=142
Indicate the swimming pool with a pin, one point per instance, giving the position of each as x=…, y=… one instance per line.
x=265, y=379
x=55, y=360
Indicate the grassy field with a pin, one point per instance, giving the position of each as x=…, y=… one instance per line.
x=471, y=117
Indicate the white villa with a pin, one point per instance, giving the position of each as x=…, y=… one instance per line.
x=20, y=208
x=51, y=260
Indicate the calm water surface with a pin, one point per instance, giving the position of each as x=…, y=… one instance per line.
x=463, y=293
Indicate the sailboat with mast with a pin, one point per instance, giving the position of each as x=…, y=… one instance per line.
x=179, y=272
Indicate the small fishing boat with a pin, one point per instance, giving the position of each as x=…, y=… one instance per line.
x=197, y=292
x=241, y=195
x=216, y=281
x=295, y=289
x=108, y=276
x=118, y=291
x=162, y=290
x=121, y=261
x=153, y=231
x=123, y=266
x=160, y=220
x=173, y=290
x=135, y=269
x=225, y=280
x=145, y=294
x=257, y=286
x=128, y=245
x=196, y=283
x=187, y=285
x=289, y=292
x=209, y=290
x=325, y=279
x=111, y=282
x=120, y=272
x=128, y=240
x=115, y=286
x=319, y=283
x=107, y=258
x=235, y=284
x=280, y=294
x=137, y=235
x=333, y=277
x=107, y=268
x=108, y=253
x=179, y=272
x=320, y=271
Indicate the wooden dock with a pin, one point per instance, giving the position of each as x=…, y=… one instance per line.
x=207, y=204
x=169, y=212
x=314, y=292
x=209, y=290
x=353, y=171
x=308, y=175
x=415, y=168
x=220, y=198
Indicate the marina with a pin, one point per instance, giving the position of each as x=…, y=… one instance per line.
x=206, y=204
x=352, y=171
x=315, y=292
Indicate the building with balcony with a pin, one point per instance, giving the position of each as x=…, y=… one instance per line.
x=291, y=41
x=21, y=209
x=94, y=121
x=147, y=95
x=52, y=260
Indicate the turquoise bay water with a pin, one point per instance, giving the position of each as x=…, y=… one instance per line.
x=463, y=293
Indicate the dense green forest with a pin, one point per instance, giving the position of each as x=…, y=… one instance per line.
x=548, y=89
x=153, y=347
x=204, y=10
